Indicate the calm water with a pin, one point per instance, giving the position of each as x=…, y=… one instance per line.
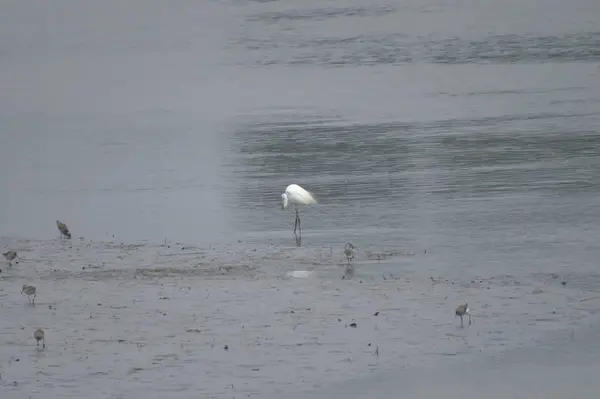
x=468, y=129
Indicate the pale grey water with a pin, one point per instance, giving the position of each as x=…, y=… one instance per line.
x=466, y=128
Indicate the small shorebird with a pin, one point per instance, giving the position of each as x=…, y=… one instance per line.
x=64, y=230
x=349, y=252
x=461, y=311
x=10, y=256
x=29, y=290
x=39, y=336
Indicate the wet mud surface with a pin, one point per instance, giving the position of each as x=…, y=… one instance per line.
x=222, y=322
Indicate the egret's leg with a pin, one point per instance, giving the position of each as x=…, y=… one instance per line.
x=297, y=223
x=469, y=318
x=461, y=321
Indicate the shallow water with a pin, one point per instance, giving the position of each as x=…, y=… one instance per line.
x=454, y=143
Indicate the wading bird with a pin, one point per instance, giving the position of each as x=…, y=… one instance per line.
x=10, y=256
x=64, y=230
x=39, y=336
x=297, y=196
x=349, y=252
x=461, y=311
x=29, y=290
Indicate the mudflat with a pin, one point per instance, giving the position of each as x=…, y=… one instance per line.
x=223, y=322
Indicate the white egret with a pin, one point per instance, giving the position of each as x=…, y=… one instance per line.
x=296, y=195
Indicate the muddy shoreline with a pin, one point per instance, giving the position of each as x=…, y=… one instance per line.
x=153, y=318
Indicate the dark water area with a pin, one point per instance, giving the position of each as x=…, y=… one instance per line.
x=455, y=143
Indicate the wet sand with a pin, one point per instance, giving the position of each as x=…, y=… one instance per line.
x=224, y=322
x=563, y=366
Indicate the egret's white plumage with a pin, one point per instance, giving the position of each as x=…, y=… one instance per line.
x=296, y=196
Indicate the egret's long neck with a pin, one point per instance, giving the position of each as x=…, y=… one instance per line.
x=284, y=201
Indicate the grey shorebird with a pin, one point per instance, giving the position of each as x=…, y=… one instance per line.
x=461, y=311
x=349, y=252
x=10, y=256
x=39, y=336
x=63, y=229
x=29, y=290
